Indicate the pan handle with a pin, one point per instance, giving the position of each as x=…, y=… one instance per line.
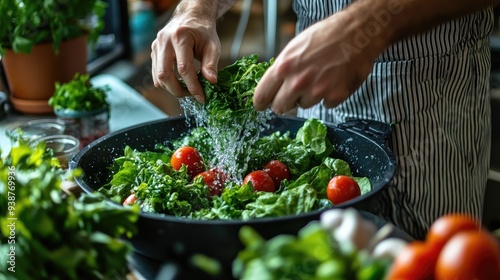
x=375, y=130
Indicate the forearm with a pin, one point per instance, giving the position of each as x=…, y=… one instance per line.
x=398, y=19
x=204, y=8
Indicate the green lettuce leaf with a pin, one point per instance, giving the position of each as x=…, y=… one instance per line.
x=298, y=200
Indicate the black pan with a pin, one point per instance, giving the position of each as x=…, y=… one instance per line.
x=162, y=237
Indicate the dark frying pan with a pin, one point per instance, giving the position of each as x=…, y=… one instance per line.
x=162, y=237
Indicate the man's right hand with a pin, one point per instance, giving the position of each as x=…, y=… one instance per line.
x=189, y=35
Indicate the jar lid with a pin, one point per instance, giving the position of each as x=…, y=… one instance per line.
x=34, y=129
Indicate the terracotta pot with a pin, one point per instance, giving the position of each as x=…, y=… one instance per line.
x=31, y=77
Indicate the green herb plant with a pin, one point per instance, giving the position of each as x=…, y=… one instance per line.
x=79, y=95
x=48, y=234
x=26, y=23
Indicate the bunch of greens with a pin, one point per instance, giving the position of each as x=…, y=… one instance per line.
x=228, y=114
x=160, y=189
x=311, y=255
x=79, y=95
x=48, y=234
x=235, y=87
x=27, y=23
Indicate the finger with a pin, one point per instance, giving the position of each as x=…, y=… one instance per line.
x=187, y=70
x=153, y=64
x=313, y=93
x=284, y=101
x=336, y=97
x=298, y=90
x=163, y=73
x=266, y=89
x=307, y=100
x=209, y=63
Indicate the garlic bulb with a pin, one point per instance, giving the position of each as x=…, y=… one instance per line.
x=354, y=233
x=388, y=248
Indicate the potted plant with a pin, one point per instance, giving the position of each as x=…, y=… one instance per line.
x=83, y=108
x=43, y=42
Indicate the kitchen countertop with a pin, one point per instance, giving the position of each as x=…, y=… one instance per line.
x=128, y=107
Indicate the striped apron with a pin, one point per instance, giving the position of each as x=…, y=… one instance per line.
x=434, y=89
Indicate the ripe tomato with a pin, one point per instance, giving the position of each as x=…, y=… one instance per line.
x=469, y=255
x=278, y=171
x=215, y=180
x=260, y=180
x=342, y=188
x=415, y=262
x=190, y=157
x=448, y=225
x=131, y=199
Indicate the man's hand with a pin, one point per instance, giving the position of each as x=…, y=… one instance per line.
x=190, y=34
x=332, y=58
x=323, y=63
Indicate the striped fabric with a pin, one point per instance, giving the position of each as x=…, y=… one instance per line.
x=434, y=89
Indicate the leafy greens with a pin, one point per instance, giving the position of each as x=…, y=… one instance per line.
x=47, y=234
x=79, y=95
x=311, y=255
x=160, y=189
x=235, y=87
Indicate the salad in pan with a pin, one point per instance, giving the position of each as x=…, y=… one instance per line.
x=225, y=168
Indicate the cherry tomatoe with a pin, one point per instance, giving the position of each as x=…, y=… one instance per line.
x=444, y=227
x=131, y=199
x=260, y=180
x=190, y=157
x=278, y=171
x=470, y=254
x=215, y=180
x=342, y=188
x=416, y=261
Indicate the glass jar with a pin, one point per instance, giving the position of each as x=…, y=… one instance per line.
x=34, y=129
x=87, y=126
x=64, y=147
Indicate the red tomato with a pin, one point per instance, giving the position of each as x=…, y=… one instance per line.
x=131, y=199
x=342, y=188
x=278, y=172
x=260, y=180
x=469, y=255
x=415, y=262
x=190, y=157
x=215, y=180
x=446, y=226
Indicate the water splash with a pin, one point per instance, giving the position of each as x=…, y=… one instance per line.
x=232, y=137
